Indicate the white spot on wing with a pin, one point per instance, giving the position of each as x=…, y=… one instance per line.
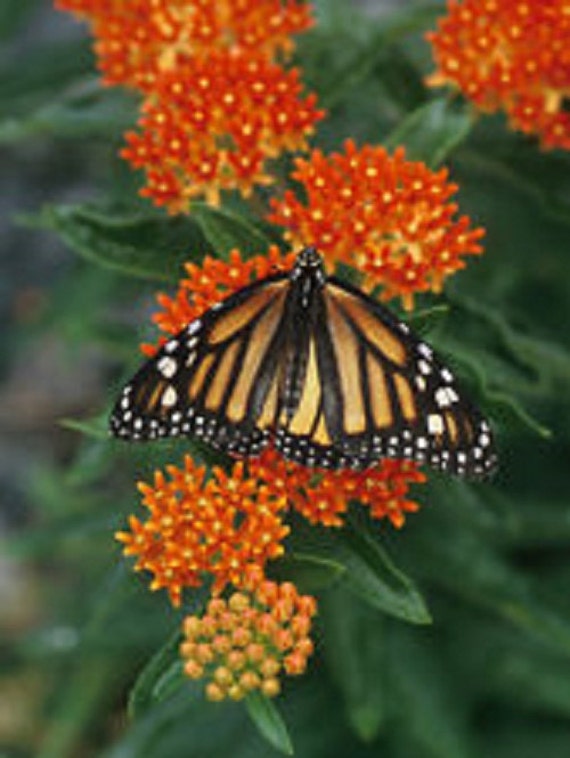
x=169, y=397
x=435, y=423
x=443, y=398
x=194, y=327
x=167, y=366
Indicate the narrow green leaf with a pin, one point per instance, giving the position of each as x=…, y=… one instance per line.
x=310, y=573
x=433, y=131
x=464, y=563
x=511, y=405
x=355, y=651
x=96, y=428
x=82, y=699
x=367, y=56
x=428, y=319
x=520, y=167
x=429, y=708
x=88, y=111
x=225, y=230
x=186, y=715
x=479, y=364
x=264, y=714
x=30, y=80
x=146, y=246
x=373, y=576
x=537, y=522
x=44, y=541
x=157, y=677
x=13, y=13
x=548, y=361
x=534, y=680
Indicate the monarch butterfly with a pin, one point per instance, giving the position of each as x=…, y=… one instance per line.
x=314, y=365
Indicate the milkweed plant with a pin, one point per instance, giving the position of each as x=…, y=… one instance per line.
x=197, y=603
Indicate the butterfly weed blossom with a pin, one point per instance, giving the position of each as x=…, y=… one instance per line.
x=323, y=497
x=218, y=103
x=137, y=40
x=245, y=642
x=509, y=55
x=200, y=527
x=390, y=218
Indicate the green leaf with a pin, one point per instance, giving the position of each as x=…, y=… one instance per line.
x=180, y=717
x=264, y=714
x=160, y=677
x=433, y=131
x=334, y=82
x=430, y=718
x=142, y=245
x=534, y=680
x=80, y=702
x=310, y=573
x=547, y=361
x=44, y=541
x=355, y=651
x=494, y=385
x=516, y=162
x=512, y=406
x=225, y=230
x=87, y=111
x=428, y=319
x=30, y=80
x=373, y=576
x=467, y=565
x=96, y=428
x=12, y=14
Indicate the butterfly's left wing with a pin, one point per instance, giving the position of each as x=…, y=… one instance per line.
x=372, y=389
x=217, y=379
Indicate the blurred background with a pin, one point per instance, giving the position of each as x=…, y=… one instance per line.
x=492, y=675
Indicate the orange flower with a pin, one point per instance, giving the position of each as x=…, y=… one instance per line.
x=244, y=643
x=138, y=40
x=322, y=496
x=212, y=124
x=231, y=522
x=387, y=216
x=512, y=55
x=196, y=527
x=208, y=284
x=218, y=105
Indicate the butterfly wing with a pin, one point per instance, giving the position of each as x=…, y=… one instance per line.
x=372, y=390
x=217, y=379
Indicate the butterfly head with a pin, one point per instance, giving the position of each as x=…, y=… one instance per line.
x=309, y=264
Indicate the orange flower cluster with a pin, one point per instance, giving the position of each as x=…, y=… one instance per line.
x=322, y=497
x=138, y=40
x=244, y=643
x=223, y=526
x=218, y=103
x=213, y=123
x=196, y=527
x=512, y=55
x=389, y=217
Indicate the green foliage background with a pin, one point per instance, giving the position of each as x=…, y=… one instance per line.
x=449, y=639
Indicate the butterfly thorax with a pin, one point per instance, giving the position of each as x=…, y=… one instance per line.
x=304, y=303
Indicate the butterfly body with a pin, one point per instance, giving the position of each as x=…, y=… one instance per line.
x=316, y=367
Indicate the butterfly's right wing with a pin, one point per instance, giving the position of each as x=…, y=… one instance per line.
x=218, y=379
x=373, y=390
